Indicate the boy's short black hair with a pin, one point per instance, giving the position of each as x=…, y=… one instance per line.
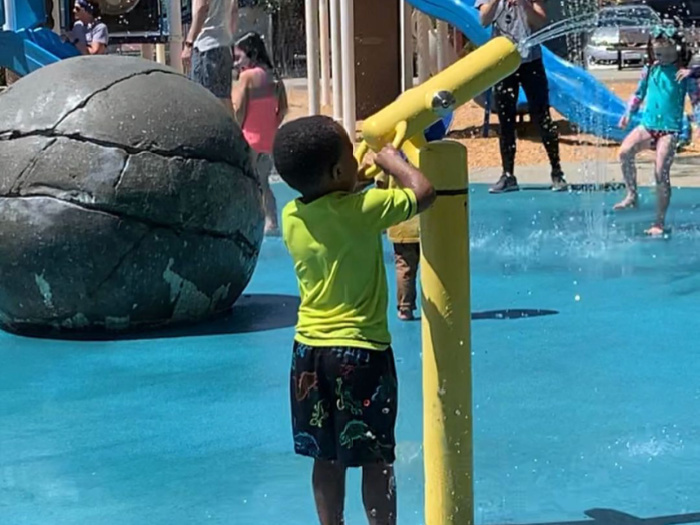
x=306, y=149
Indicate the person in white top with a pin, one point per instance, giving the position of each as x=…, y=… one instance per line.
x=89, y=34
x=207, y=48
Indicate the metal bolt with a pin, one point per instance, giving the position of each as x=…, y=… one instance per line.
x=443, y=102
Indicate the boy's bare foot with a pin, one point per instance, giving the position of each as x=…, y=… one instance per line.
x=406, y=314
x=630, y=201
x=655, y=231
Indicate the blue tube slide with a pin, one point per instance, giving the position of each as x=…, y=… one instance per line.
x=27, y=50
x=29, y=46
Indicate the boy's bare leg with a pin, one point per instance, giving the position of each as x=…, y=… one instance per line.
x=638, y=139
x=328, y=481
x=665, y=153
x=379, y=493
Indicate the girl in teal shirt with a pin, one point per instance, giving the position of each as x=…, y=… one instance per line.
x=663, y=87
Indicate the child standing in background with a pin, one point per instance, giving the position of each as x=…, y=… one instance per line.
x=406, y=240
x=260, y=105
x=663, y=87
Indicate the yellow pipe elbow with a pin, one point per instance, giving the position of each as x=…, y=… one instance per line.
x=423, y=105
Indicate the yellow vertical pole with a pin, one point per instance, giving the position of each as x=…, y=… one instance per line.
x=446, y=321
x=447, y=399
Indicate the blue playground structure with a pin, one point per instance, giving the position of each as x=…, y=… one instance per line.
x=26, y=44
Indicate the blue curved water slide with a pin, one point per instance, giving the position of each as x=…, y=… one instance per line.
x=573, y=92
x=30, y=47
x=27, y=50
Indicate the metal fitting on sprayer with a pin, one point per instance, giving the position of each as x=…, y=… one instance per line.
x=442, y=103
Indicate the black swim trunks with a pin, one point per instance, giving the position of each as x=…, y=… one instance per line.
x=344, y=404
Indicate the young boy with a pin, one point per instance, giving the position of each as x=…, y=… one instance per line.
x=406, y=240
x=343, y=379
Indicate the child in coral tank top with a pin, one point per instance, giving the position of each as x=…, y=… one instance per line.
x=260, y=103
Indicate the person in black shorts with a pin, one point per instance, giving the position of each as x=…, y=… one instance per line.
x=343, y=384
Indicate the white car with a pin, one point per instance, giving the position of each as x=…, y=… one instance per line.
x=622, y=30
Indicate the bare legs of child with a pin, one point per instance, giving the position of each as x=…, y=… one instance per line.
x=638, y=140
x=265, y=166
x=378, y=492
x=406, y=259
x=665, y=153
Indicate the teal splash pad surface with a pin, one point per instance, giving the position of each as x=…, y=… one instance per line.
x=585, y=388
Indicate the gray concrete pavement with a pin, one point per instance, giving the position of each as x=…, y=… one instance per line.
x=685, y=172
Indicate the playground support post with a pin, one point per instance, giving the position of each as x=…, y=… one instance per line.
x=442, y=43
x=160, y=53
x=406, y=46
x=347, y=43
x=56, y=16
x=324, y=36
x=447, y=408
x=9, y=24
x=175, y=38
x=446, y=327
x=423, y=24
x=336, y=61
x=312, y=56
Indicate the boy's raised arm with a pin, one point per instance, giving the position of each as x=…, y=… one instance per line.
x=392, y=163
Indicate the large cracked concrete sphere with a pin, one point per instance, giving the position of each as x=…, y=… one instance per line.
x=127, y=199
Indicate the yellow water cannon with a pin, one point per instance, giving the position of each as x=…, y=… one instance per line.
x=418, y=108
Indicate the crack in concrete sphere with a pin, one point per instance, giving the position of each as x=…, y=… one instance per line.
x=127, y=199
